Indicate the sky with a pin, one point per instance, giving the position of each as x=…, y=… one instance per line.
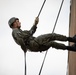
x=12, y=56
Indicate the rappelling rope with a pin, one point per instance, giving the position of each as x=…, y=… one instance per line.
x=41, y=8
x=52, y=32
x=25, y=62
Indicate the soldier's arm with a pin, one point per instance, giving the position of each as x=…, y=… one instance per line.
x=34, y=27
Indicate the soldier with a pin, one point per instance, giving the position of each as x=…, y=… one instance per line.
x=41, y=43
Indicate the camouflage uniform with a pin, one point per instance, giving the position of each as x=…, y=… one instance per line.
x=41, y=43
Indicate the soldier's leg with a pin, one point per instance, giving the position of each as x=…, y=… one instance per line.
x=43, y=39
x=50, y=37
x=56, y=45
x=59, y=37
x=64, y=38
x=62, y=46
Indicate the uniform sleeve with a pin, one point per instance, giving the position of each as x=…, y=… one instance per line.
x=33, y=29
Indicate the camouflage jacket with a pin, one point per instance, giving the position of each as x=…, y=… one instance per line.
x=21, y=37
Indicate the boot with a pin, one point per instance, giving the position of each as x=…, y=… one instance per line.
x=71, y=48
x=72, y=39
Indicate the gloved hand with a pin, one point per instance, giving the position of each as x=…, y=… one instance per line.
x=36, y=21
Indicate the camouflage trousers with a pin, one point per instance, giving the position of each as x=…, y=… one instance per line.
x=44, y=42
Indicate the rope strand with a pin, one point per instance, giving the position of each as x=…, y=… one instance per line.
x=41, y=8
x=58, y=16
x=25, y=62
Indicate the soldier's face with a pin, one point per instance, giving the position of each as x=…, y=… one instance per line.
x=17, y=24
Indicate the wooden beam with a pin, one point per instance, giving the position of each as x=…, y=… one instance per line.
x=72, y=32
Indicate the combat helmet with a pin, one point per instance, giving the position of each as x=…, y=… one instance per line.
x=11, y=21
